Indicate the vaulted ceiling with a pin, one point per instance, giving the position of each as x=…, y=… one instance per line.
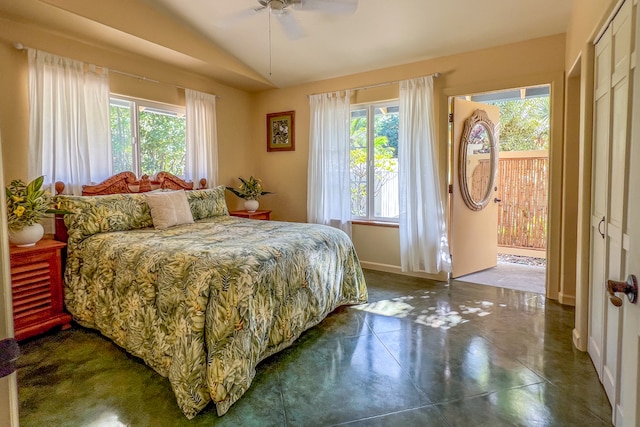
x=227, y=41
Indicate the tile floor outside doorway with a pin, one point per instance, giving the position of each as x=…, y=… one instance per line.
x=420, y=353
x=514, y=272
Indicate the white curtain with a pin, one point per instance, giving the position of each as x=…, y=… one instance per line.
x=202, y=138
x=69, y=131
x=328, y=185
x=423, y=234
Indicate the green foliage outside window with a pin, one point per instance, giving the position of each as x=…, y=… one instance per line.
x=162, y=136
x=358, y=166
x=121, y=147
x=385, y=157
x=524, y=124
x=387, y=125
x=162, y=143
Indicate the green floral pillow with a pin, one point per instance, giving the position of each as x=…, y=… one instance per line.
x=101, y=214
x=207, y=203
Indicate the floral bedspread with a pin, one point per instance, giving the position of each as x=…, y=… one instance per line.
x=203, y=303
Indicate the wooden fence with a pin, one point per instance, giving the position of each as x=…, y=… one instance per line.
x=523, y=186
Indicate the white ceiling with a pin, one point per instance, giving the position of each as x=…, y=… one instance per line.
x=379, y=34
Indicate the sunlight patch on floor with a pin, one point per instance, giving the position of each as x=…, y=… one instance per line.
x=441, y=315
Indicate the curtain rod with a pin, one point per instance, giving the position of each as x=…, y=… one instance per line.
x=20, y=46
x=434, y=75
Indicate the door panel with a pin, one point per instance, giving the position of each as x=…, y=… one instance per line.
x=601, y=137
x=616, y=218
x=609, y=244
x=627, y=411
x=474, y=234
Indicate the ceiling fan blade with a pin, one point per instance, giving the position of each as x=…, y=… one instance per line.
x=236, y=17
x=290, y=25
x=344, y=7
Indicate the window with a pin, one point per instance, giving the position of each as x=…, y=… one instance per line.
x=147, y=137
x=374, y=161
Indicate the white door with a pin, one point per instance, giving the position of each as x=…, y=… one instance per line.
x=599, y=190
x=627, y=410
x=8, y=384
x=609, y=217
x=467, y=225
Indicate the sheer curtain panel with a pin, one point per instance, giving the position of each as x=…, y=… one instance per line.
x=423, y=234
x=69, y=131
x=328, y=185
x=202, y=138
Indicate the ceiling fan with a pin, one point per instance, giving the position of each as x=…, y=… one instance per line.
x=282, y=11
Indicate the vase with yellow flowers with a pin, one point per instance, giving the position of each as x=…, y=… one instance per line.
x=250, y=190
x=27, y=205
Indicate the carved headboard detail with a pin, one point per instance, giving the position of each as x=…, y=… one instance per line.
x=126, y=182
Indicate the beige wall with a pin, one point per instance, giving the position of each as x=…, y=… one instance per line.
x=233, y=106
x=587, y=20
x=533, y=62
x=587, y=17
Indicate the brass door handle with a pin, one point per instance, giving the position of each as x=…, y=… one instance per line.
x=630, y=288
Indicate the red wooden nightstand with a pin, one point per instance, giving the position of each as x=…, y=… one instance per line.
x=266, y=215
x=36, y=287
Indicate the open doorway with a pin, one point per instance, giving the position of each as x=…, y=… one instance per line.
x=523, y=134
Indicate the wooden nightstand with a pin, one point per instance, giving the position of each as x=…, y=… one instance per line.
x=266, y=215
x=36, y=286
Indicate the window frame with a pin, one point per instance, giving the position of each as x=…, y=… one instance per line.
x=134, y=104
x=370, y=108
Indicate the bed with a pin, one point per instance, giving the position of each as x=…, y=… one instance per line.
x=201, y=303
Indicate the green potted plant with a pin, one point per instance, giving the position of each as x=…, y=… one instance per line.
x=250, y=190
x=27, y=204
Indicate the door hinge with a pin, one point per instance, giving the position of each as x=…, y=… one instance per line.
x=450, y=117
x=9, y=352
x=450, y=188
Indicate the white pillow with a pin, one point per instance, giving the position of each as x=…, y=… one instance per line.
x=169, y=208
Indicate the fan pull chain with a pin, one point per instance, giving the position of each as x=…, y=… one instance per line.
x=269, y=12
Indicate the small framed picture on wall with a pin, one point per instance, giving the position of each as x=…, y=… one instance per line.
x=281, y=131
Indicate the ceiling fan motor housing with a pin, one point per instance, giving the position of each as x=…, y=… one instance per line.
x=327, y=6
x=274, y=5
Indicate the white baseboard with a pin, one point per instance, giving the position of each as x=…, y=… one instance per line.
x=619, y=418
x=566, y=299
x=441, y=277
x=578, y=342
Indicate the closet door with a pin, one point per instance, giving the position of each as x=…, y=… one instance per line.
x=599, y=194
x=609, y=243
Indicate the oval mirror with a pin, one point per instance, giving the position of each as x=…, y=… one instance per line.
x=478, y=160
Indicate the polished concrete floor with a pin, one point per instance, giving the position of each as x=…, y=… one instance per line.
x=419, y=353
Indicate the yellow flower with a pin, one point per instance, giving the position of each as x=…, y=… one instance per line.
x=27, y=204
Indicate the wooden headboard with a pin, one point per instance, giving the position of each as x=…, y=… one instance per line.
x=125, y=182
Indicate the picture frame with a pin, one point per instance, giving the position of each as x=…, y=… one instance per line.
x=281, y=131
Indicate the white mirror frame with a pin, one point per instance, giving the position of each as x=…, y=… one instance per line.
x=478, y=117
